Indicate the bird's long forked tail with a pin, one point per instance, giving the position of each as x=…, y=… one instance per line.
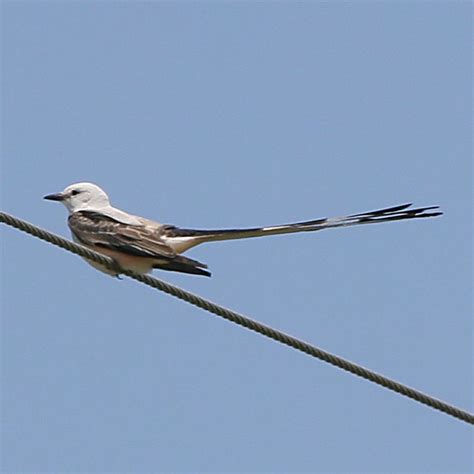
x=395, y=213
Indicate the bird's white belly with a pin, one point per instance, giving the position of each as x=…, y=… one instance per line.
x=128, y=262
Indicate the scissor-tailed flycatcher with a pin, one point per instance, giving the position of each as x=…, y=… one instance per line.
x=140, y=245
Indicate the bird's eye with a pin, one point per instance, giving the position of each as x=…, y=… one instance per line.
x=75, y=192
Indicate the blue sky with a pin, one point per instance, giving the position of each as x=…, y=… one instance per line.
x=207, y=114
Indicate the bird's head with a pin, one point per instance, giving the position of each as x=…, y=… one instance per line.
x=81, y=196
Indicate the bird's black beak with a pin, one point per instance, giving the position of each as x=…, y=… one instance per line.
x=55, y=197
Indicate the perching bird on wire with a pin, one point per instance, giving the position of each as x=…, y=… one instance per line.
x=140, y=244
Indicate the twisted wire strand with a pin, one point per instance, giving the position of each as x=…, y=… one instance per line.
x=241, y=320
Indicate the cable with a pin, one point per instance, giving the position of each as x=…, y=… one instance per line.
x=241, y=320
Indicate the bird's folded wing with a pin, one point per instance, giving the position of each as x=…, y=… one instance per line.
x=97, y=230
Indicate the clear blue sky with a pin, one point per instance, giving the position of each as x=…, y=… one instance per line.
x=207, y=114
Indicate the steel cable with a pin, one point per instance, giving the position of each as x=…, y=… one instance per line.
x=240, y=319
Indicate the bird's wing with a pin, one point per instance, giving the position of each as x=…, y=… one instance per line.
x=95, y=229
x=91, y=228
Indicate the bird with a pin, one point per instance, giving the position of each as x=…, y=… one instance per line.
x=141, y=245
